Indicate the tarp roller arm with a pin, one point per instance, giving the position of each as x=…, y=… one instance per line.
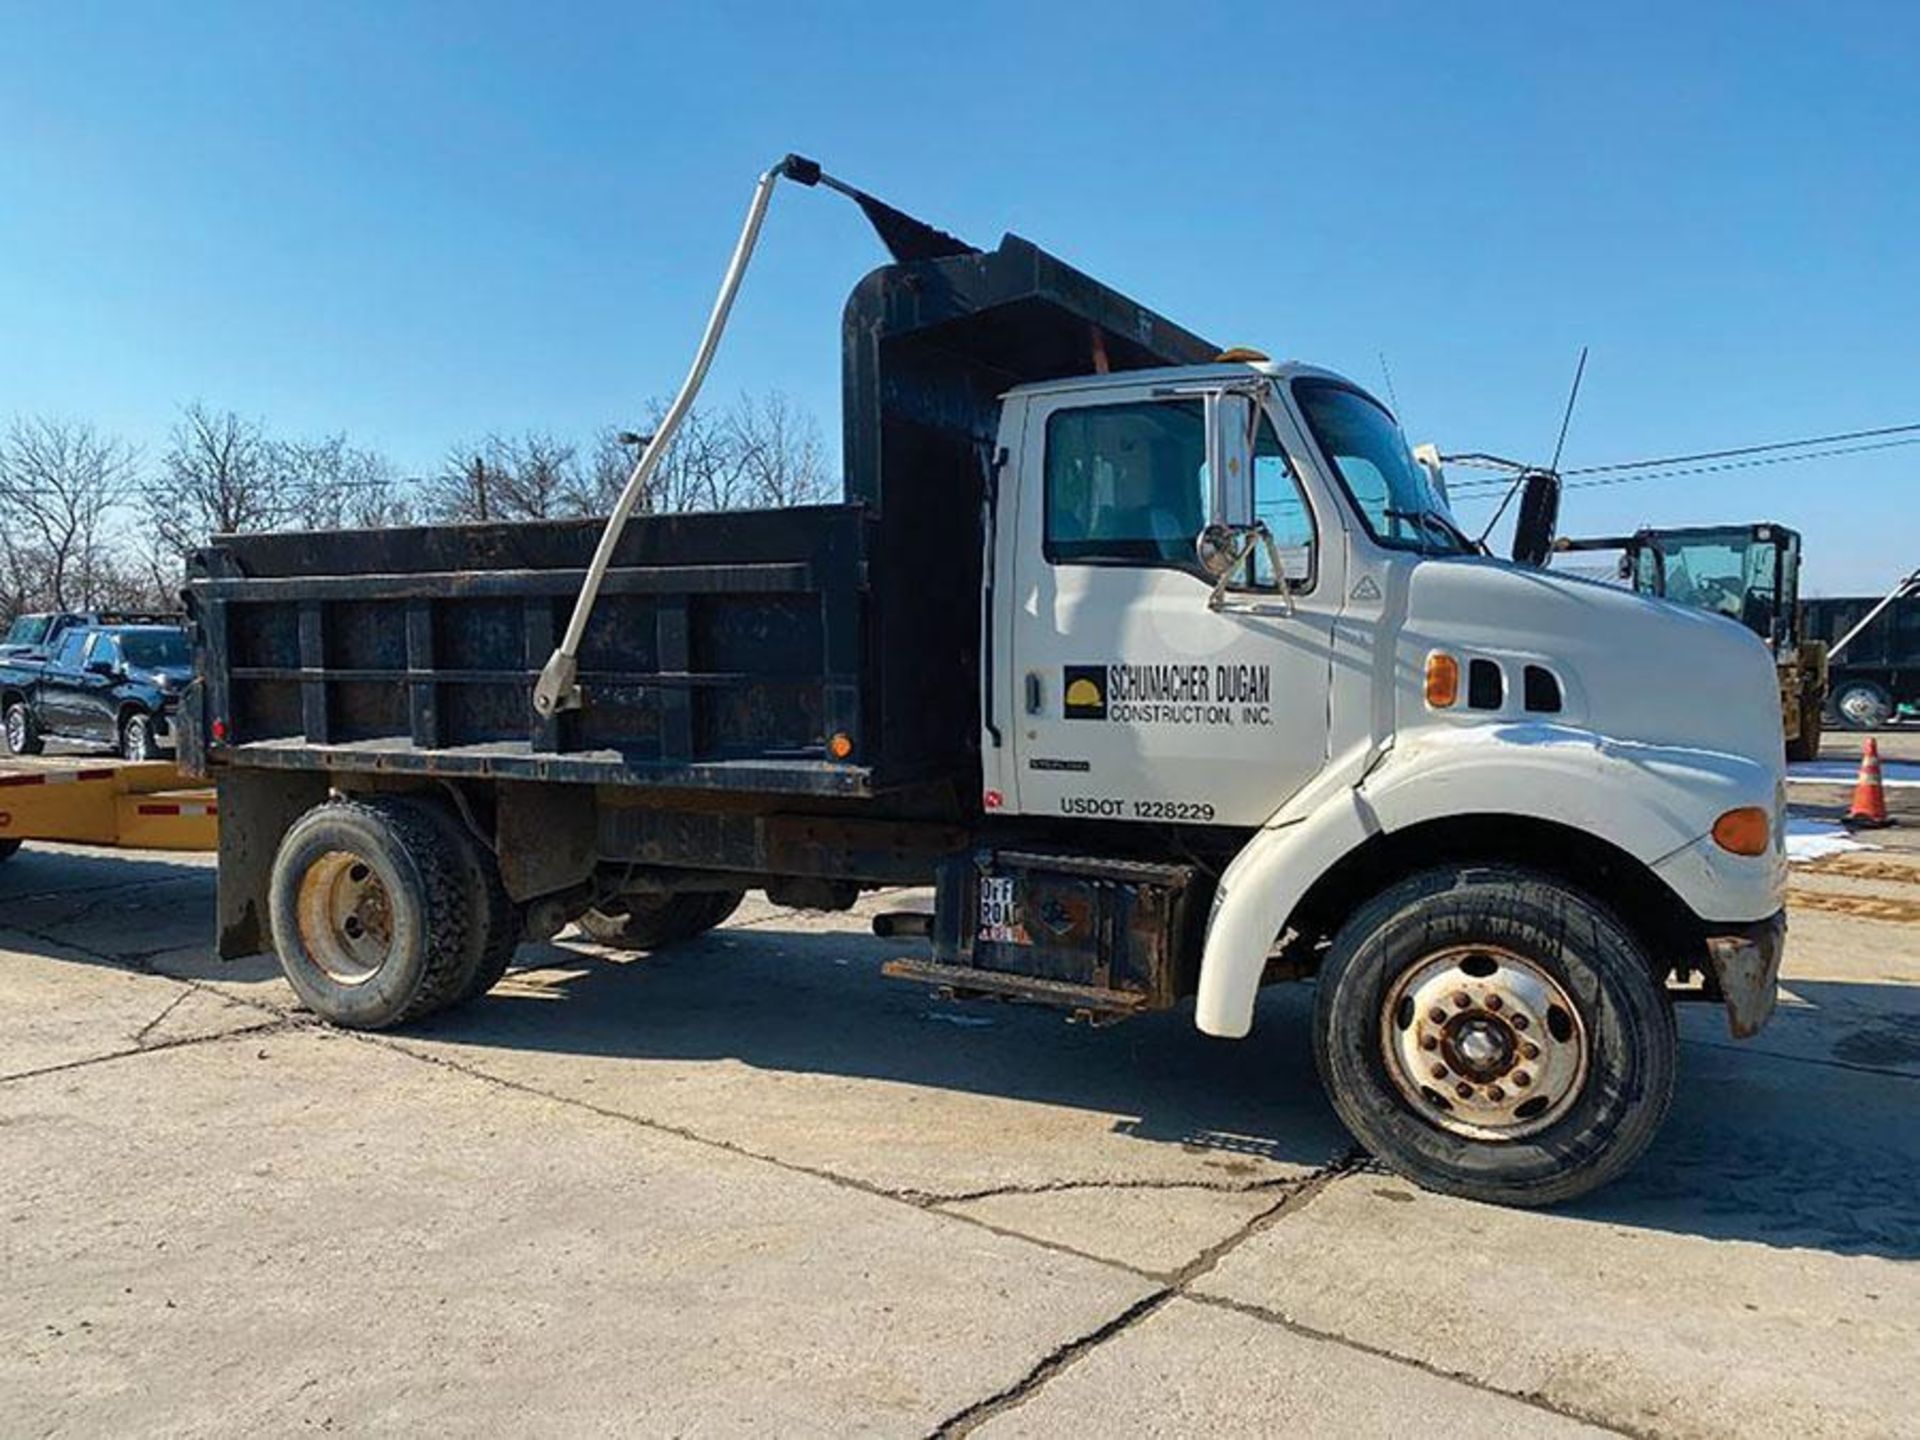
x=905, y=238
x=558, y=688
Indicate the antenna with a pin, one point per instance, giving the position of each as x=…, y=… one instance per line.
x=1553, y=468
x=1567, y=419
x=1388, y=374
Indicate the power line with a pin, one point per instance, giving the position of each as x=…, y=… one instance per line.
x=1490, y=462
x=1666, y=460
x=1487, y=486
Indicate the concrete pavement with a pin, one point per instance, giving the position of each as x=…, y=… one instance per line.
x=750, y=1185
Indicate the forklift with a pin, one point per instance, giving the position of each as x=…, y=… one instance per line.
x=1751, y=575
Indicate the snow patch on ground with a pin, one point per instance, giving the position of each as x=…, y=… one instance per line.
x=1817, y=839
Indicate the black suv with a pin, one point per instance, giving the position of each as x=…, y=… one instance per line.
x=112, y=685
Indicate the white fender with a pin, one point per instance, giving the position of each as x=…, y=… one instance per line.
x=1655, y=803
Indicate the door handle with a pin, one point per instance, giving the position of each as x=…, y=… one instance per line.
x=1033, y=692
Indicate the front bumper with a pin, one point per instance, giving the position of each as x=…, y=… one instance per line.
x=1746, y=969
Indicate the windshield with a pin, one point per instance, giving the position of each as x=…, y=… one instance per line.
x=29, y=630
x=1371, y=459
x=155, y=649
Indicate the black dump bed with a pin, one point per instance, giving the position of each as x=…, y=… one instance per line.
x=727, y=651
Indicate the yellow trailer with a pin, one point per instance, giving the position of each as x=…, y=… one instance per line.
x=147, y=806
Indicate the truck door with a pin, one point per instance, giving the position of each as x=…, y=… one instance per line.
x=1130, y=697
x=95, y=713
x=60, y=681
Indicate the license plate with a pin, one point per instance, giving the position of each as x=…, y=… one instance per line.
x=999, y=912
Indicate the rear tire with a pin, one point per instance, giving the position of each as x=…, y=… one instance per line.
x=493, y=918
x=370, y=914
x=654, y=924
x=1557, y=991
x=1862, y=705
x=23, y=736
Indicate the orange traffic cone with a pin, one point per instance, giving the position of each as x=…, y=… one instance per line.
x=1869, y=808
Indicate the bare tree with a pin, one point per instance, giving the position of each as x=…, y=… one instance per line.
x=339, y=486
x=222, y=475
x=60, y=482
x=761, y=451
x=778, y=455
x=535, y=476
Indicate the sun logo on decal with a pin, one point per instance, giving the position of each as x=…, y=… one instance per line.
x=1083, y=692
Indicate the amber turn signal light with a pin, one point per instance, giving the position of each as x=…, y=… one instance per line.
x=1746, y=831
x=1443, y=679
x=840, y=746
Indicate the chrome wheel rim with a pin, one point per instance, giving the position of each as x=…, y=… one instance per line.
x=1484, y=1043
x=136, y=739
x=345, y=917
x=1861, y=708
x=16, y=729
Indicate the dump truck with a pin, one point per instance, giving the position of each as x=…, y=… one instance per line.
x=1163, y=666
x=1873, y=651
x=1751, y=575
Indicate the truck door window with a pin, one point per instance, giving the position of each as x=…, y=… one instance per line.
x=72, y=646
x=1278, y=500
x=1126, y=484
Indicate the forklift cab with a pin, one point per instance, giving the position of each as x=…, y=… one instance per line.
x=1748, y=573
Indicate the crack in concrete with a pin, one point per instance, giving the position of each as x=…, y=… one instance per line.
x=1532, y=1399
x=264, y=1027
x=1056, y=1187
x=965, y=1421
x=139, y=1036
x=1012, y=1397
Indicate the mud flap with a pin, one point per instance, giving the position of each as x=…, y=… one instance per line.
x=1746, y=963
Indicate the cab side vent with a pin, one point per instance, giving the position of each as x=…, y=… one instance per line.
x=1543, y=690
x=1485, y=688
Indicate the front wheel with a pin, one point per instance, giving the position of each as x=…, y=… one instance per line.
x=1496, y=1034
x=23, y=736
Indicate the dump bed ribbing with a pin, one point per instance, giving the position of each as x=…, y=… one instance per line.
x=730, y=651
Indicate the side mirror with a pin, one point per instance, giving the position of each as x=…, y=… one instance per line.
x=1539, y=514
x=1223, y=549
x=1219, y=548
x=106, y=669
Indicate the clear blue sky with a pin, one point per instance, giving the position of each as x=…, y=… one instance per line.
x=418, y=223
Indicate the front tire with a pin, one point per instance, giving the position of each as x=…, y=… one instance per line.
x=8, y=849
x=23, y=736
x=634, y=923
x=1494, y=1033
x=370, y=914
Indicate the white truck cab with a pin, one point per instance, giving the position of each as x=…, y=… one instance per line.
x=1369, y=695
